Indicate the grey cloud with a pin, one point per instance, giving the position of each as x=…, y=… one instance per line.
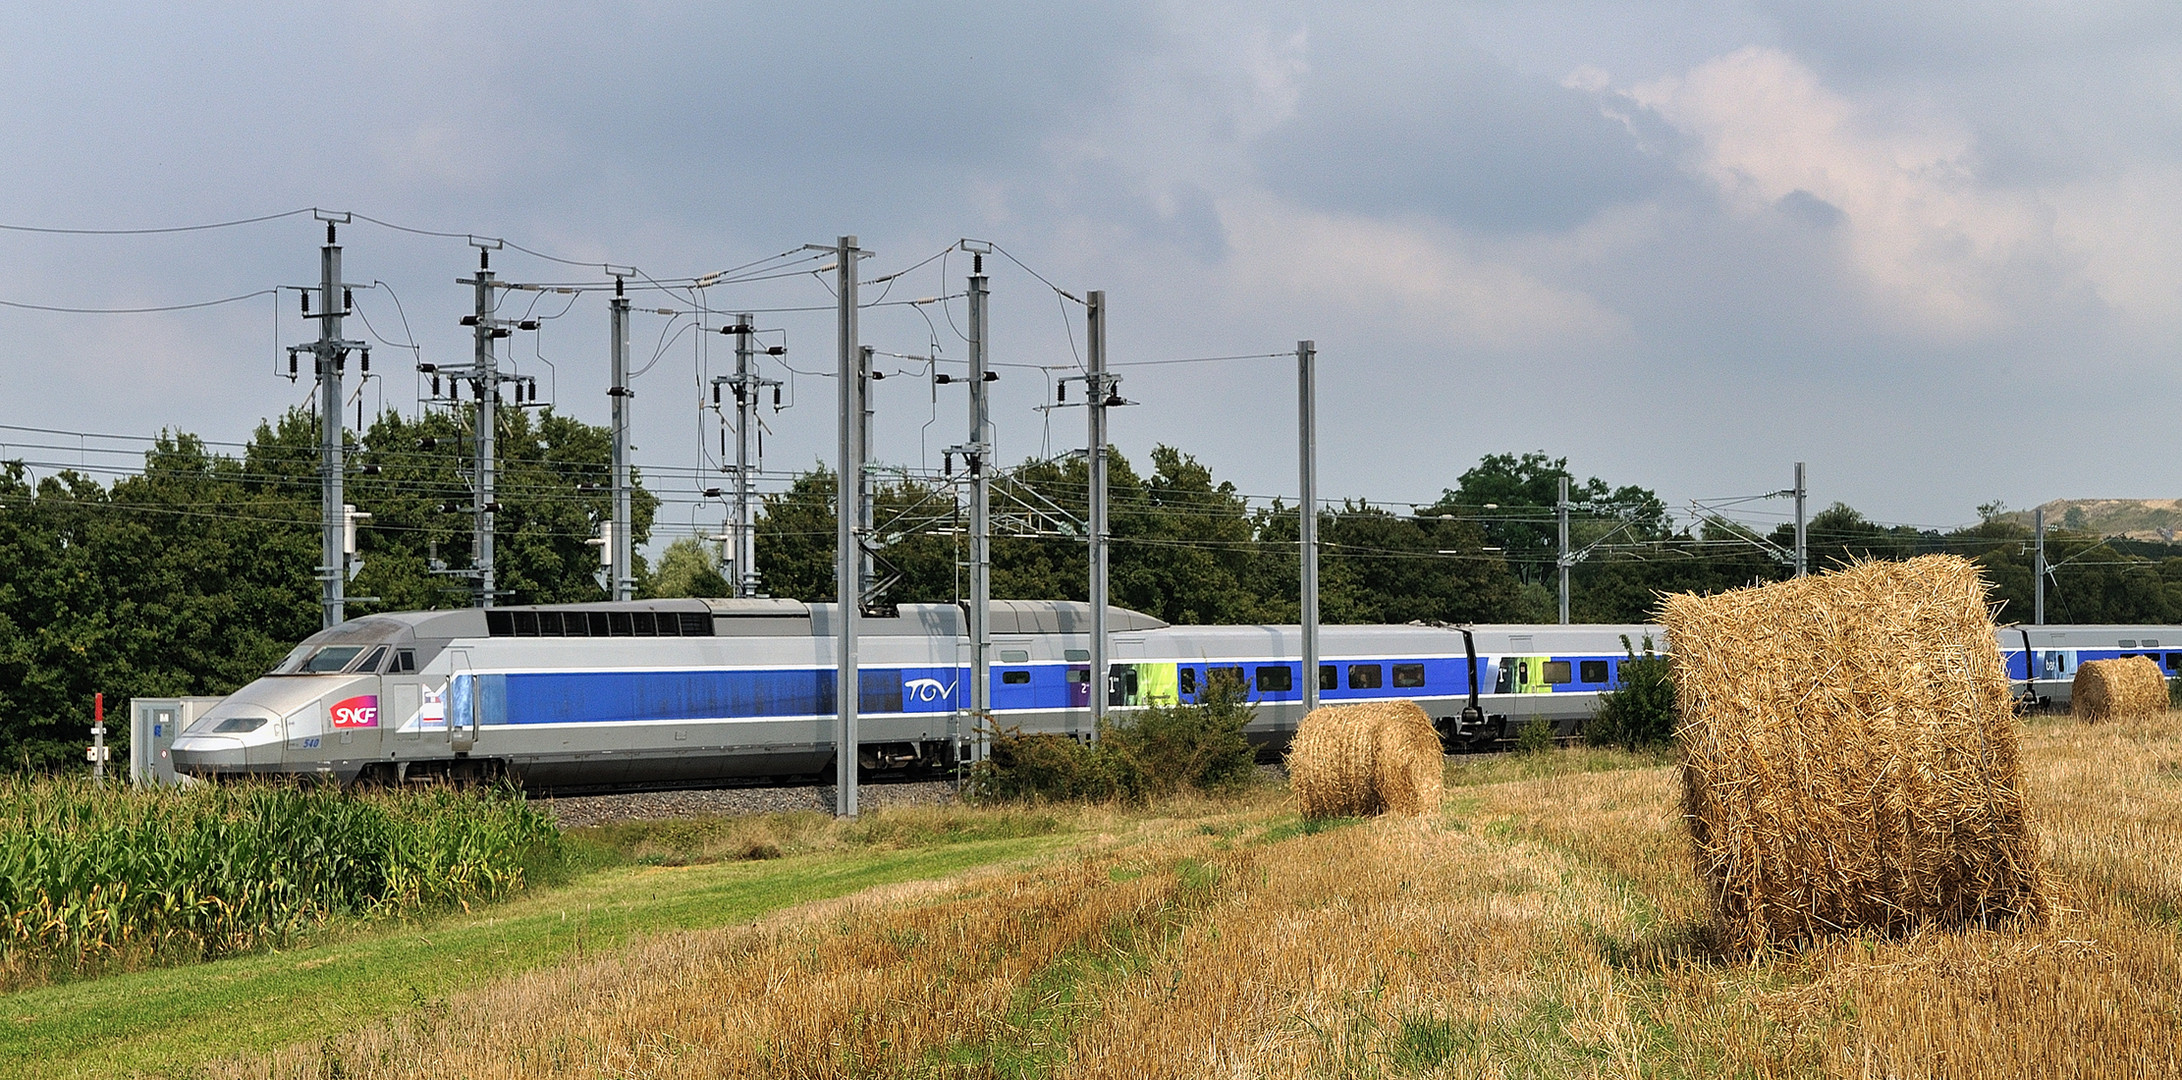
x=1463, y=138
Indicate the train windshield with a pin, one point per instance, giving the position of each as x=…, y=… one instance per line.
x=318, y=659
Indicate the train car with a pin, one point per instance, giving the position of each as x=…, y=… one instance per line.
x=652, y=693
x=2042, y=660
x=672, y=692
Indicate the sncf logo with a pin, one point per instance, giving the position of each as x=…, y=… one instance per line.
x=357, y=712
x=927, y=689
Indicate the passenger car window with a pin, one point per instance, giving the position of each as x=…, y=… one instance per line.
x=1079, y=675
x=1276, y=678
x=1076, y=656
x=1015, y=678
x=1557, y=672
x=1364, y=676
x=1329, y=677
x=1409, y=675
x=1592, y=671
x=1231, y=674
x=1015, y=656
x=1185, y=680
x=371, y=664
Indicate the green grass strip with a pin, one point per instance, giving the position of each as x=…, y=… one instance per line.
x=162, y=1022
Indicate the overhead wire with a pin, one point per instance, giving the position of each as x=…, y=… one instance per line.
x=159, y=229
x=138, y=310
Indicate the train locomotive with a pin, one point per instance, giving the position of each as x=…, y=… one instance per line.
x=689, y=692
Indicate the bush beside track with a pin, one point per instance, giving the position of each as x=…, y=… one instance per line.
x=98, y=879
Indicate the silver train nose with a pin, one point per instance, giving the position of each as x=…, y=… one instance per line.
x=217, y=753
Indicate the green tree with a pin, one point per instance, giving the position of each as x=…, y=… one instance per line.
x=687, y=568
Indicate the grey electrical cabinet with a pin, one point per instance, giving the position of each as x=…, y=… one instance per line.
x=153, y=724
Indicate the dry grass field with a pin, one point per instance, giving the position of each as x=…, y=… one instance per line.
x=1547, y=923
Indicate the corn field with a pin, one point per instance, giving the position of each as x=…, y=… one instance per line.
x=96, y=878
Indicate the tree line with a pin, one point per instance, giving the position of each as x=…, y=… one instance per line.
x=1189, y=548
x=197, y=574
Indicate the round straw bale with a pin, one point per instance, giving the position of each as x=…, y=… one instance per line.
x=1849, y=754
x=2130, y=688
x=1410, y=764
x=1352, y=760
x=1330, y=763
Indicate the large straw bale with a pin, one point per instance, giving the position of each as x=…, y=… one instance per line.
x=1849, y=753
x=1351, y=760
x=2131, y=688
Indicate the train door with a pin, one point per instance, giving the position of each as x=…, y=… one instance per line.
x=464, y=702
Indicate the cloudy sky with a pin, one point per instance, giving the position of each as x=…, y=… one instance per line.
x=1685, y=244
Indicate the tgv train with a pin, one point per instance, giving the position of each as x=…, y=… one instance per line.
x=666, y=692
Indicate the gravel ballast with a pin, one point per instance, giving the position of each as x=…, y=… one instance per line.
x=577, y=811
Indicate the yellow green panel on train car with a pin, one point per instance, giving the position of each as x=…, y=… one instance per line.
x=1156, y=684
x=1530, y=677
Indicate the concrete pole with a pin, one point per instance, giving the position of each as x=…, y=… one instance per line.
x=743, y=542
x=486, y=384
x=2038, y=568
x=1563, y=561
x=1803, y=563
x=332, y=565
x=1095, y=387
x=1307, y=508
x=619, y=393
x=847, y=544
x=981, y=583
x=866, y=572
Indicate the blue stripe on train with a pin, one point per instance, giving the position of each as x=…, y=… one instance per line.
x=591, y=697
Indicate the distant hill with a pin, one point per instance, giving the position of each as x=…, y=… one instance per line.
x=2137, y=519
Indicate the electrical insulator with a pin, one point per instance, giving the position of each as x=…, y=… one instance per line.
x=776, y=350
x=305, y=296
x=947, y=464
x=367, y=359
x=348, y=298
x=776, y=397
x=712, y=493
x=992, y=376
x=1061, y=390
x=291, y=364
x=435, y=386
x=943, y=378
x=469, y=320
x=715, y=393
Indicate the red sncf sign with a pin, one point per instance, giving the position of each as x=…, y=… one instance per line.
x=357, y=712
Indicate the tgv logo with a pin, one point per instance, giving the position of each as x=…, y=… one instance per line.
x=927, y=689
